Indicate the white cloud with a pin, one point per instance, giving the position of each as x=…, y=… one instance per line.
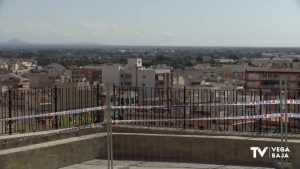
x=43, y=29
x=4, y=28
x=115, y=28
x=169, y=35
x=139, y=33
x=92, y=26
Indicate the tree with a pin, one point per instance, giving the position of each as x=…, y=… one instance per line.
x=199, y=59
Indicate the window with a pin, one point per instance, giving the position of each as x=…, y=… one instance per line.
x=144, y=84
x=269, y=82
x=144, y=76
x=121, y=75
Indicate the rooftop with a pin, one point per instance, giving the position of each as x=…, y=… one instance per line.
x=273, y=70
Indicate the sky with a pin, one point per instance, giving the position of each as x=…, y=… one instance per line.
x=269, y=23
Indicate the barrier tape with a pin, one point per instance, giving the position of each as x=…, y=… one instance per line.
x=251, y=117
x=78, y=111
x=266, y=116
x=68, y=112
x=250, y=103
x=135, y=107
x=114, y=122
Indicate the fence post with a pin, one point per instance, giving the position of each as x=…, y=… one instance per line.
x=55, y=106
x=184, y=107
x=98, y=103
x=114, y=99
x=10, y=111
x=260, y=111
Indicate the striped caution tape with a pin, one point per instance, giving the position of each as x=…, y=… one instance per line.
x=266, y=116
x=251, y=117
x=136, y=107
x=293, y=115
x=78, y=111
x=250, y=103
x=68, y=112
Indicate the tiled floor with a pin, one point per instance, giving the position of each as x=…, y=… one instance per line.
x=102, y=164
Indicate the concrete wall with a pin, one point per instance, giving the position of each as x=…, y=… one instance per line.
x=25, y=139
x=111, y=74
x=199, y=149
x=146, y=77
x=55, y=154
x=166, y=146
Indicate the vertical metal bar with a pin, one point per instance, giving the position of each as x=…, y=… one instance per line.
x=193, y=109
x=114, y=99
x=10, y=111
x=286, y=117
x=109, y=130
x=108, y=127
x=260, y=111
x=281, y=110
x=184, y=110
x=98, y=103
x=55, y=107
x=266, y=110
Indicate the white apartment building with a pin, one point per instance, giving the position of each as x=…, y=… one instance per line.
x=132, y=74
x=135, y=75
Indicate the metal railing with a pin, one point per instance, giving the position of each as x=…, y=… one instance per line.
x=179, y=107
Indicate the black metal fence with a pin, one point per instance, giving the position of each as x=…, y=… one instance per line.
x=16, y=103
x=145, y=104
x=194, y=106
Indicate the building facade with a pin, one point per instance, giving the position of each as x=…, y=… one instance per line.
x=269, y=79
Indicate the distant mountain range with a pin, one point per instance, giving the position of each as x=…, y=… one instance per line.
x=20, y=44
x=17, y=43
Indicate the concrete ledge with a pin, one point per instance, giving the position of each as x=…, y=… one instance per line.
x=18, y=140
x=180, y=131
x=55, y=154
x=282, y=165
x=232, y=150
x=170, y=146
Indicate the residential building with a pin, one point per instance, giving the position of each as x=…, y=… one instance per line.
x=13, y=81
x=87, y=73
x=55, y=68
x=135, y=75
x=269, y=79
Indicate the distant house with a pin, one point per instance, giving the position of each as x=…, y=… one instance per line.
x=55, y=68
x=13, y=81
x=269, y=79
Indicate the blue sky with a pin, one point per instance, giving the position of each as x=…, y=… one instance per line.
x=153, y=22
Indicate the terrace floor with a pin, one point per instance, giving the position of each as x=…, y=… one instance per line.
x=102, y=164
